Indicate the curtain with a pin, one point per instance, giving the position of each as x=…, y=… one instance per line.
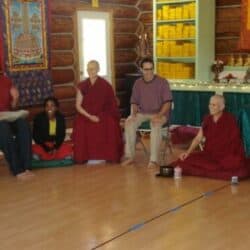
x=190, y=107
x=236, y=101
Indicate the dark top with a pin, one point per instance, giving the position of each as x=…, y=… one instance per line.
x=41, y=130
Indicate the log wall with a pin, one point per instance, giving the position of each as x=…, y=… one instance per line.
x=130, y=17
x=63, y=46
x=228, y=25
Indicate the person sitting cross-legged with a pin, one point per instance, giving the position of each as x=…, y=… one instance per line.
x=223, y=154
x=49, y=133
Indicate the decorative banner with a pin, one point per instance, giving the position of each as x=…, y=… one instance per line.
x=28, y=71
x=244, y=44
x=26, y=34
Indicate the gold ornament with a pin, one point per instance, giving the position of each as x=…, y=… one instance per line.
x=95, y=3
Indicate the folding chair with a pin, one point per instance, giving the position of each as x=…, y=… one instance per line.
x=145, y=129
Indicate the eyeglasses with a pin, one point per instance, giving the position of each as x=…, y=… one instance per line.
x=147, y=69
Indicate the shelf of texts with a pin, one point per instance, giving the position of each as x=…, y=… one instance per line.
x=175, y=38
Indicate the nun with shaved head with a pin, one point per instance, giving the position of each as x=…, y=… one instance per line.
x=223, y=154
x=97, y=134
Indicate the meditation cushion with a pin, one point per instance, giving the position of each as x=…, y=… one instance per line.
x=183, y=134
x=51, y=164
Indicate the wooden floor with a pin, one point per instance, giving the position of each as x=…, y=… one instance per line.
x=114, y=207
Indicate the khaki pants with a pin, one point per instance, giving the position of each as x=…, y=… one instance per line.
x=155, y=135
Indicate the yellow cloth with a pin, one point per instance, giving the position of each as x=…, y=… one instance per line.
x=52, y=127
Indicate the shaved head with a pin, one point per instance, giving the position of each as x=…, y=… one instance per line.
x=93, y=69
x=216, y=105
x=220, y=100
x=94, y=62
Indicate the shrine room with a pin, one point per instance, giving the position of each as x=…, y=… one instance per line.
x=124, y=124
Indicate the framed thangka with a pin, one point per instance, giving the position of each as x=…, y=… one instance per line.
x=26, y=35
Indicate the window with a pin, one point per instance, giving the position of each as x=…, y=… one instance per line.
x=94, y=42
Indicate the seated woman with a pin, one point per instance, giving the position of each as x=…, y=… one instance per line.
x=15, y=136
x=96, y=132
x=223, y=154
x=49, y=133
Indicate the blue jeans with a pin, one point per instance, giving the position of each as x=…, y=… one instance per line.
x=15, y=142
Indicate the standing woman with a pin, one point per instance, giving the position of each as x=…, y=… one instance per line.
x=96, y=133
x=49, y=133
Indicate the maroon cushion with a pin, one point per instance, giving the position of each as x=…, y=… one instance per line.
x=183, y=134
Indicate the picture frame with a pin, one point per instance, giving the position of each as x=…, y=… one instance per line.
x=26, y=35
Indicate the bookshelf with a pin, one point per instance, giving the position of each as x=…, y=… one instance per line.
x=184, y=37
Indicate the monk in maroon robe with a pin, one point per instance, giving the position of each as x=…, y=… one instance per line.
x=96, y=133
x=223, y=154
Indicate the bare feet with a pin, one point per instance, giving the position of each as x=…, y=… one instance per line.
x=23, y=176
x=128, y=161
x=28, y=172
x=152, y=164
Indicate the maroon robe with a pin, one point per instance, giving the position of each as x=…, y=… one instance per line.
x=5, y=97
x=223, y=155
x=101, y=140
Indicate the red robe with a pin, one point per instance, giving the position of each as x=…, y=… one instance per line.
x=5, y=97
x=101, y=140
x=65, y=150
x=223, y=155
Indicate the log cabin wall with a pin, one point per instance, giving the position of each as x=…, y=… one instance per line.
x=146, y=18
x=228, y=26
x=130, y=17
x=63, y=47
x=62, y=56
